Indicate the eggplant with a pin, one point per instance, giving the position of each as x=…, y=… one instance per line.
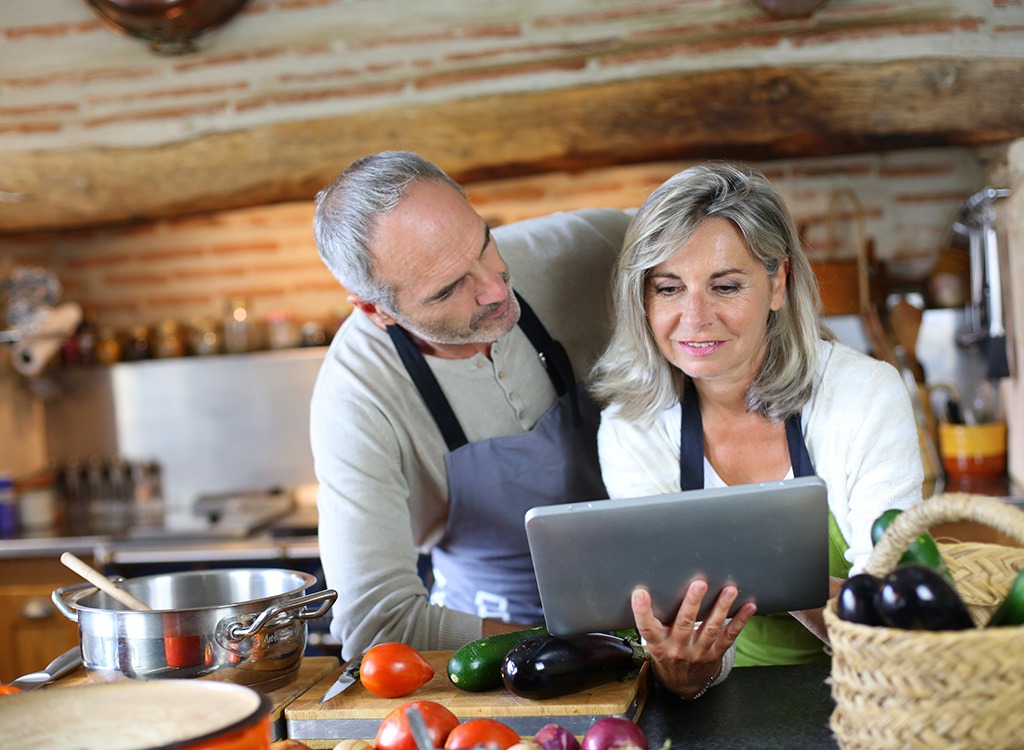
x=917, y=597
x=548, y=666
x=856, y=600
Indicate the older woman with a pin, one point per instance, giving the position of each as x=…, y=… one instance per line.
x=720, y=371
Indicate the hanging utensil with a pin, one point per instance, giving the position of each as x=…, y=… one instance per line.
x=985, y=324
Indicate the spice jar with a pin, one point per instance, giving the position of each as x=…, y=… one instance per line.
x=238, y=327
x=281, y=330
x=108, y=346
x=204, y=338
x=138, y=347
x=170, y=340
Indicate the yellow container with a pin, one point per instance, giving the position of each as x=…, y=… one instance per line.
x=973, y=452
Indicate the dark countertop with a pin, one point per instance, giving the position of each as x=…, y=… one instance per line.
x=756, y=707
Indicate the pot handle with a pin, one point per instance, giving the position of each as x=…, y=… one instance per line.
x=237, y=631
x=57, y=597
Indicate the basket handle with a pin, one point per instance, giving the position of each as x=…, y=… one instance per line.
x=910, y=524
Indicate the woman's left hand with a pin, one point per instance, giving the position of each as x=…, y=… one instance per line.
x=688, y=658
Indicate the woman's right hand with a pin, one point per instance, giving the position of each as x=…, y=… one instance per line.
x=688, y=658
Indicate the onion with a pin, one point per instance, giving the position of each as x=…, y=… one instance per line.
x=614, y=732
x=554, y=737
x=525, y=745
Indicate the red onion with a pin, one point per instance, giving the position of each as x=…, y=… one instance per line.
x=614, y=732
x=554, y=737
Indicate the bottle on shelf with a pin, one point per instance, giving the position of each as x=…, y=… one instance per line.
x=239, y=327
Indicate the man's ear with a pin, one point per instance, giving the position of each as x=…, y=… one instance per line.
x=375, y=312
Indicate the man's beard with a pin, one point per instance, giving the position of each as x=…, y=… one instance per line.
x=479, y=331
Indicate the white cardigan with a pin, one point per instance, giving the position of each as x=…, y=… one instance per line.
x=859, y=430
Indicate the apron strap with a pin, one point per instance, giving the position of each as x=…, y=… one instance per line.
x=430, y=390
x=552, y=354
x=691, y=443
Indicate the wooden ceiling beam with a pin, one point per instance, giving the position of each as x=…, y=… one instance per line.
x=758, y=113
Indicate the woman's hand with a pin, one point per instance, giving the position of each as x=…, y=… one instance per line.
x=687, y=658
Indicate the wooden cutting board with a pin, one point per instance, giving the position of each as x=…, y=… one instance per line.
x=356, y=713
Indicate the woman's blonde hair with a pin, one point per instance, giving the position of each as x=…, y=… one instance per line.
x=632, y=372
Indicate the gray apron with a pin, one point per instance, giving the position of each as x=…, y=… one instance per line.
x=482, y=563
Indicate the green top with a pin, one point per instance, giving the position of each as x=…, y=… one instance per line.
x=769, y=640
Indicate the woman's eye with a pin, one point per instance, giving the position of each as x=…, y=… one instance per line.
x=727, y=288
x=663, y=290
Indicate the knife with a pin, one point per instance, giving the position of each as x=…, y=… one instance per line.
x=348, y=676
x=56, y=669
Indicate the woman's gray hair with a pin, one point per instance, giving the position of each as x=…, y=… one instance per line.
x=347, y=211
x=632, y=372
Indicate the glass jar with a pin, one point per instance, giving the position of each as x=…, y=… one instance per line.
x=204, y=338
x=108, y=346
x=281, y=330
x=170, y=340
x=138, y=347
x=238, y=327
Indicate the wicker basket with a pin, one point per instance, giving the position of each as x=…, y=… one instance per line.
x=964, y=689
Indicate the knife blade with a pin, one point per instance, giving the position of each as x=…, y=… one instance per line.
x=56, y=669
x=348, y=676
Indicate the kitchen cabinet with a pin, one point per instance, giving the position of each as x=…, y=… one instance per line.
x=32, y=631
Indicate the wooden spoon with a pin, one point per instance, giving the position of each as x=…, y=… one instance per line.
x=103, y=583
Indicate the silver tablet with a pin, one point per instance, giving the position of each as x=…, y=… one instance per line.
x=769, y=539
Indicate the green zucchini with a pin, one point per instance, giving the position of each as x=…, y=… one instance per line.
x=922, y=551
x=477, y=666
x=1011, y=611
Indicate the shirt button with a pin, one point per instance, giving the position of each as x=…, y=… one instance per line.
x=501, y=375
x=520, y=414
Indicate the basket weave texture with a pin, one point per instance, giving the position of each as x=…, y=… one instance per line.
x=923, y=690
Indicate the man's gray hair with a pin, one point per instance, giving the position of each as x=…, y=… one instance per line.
x=633, y=372
x=347, y=211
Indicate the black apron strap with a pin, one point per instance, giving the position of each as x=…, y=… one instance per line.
x=798, y=455
x=691, y=443
x=430, y=390
x=552, y=354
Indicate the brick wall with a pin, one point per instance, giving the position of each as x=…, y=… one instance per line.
x=189, y=268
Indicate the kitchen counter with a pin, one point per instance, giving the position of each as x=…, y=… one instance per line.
x=762, y=707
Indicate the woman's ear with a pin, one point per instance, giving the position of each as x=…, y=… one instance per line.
x=779, y=283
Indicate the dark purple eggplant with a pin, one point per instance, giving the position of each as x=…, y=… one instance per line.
x=548, y=666
x=856, y=600
x=917, y=597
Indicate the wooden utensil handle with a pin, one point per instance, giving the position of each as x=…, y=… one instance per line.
x=103, y=583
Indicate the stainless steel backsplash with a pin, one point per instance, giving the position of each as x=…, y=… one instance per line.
x=215, y=424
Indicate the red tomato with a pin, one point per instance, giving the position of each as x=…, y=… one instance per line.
x=483, y=732
x=392, y=670
x=394, y=732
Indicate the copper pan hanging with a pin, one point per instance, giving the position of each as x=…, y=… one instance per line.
x=170, y=26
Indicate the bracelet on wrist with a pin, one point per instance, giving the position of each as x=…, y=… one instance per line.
x=707, y=686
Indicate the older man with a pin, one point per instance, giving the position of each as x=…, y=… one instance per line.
x=446, y=407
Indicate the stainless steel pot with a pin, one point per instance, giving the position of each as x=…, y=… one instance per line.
x=246, y=626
